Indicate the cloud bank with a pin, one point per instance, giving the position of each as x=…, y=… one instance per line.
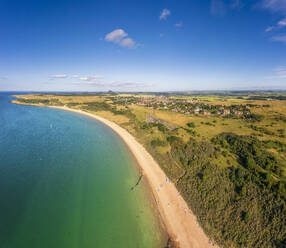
x=98, y=81
x=114, y=84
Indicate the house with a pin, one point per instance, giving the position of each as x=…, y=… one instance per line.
x=197, y=111
x=226, y=112
x=236, y=112
x=206, y=112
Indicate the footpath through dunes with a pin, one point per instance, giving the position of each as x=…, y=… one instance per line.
x=181, y=223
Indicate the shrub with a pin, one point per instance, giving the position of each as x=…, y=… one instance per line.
x=191, y=125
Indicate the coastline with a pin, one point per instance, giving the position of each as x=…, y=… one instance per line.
x=181, y=224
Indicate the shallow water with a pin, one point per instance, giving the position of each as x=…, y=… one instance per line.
x=65, y=182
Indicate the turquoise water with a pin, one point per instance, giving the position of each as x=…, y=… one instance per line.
x=65, y=182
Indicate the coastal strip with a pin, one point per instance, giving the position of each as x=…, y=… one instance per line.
x=180, y=222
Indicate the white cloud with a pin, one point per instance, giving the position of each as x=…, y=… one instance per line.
x=116, y=36
x=164, y=14
x=282, y=23
x=128, y=84
x=162, y=35
x=59, y=76
x=281, y=38
x=268, y=29
x=279, y=25
x=280, y=73
x=120, y=85
x=274, y=5
x=119, y=36
x=97, y=81
x=83, y=78
x=179, y=24
x=94, y=78
x=128, y=42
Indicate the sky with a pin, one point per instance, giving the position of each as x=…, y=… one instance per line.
x=151, y=45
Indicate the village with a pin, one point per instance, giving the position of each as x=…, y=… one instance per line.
x=184, y=106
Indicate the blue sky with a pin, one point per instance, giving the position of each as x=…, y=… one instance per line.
x=81, y=45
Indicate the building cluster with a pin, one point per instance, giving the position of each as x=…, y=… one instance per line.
x=180, y=105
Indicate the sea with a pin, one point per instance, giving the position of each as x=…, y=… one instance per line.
x=66, y=182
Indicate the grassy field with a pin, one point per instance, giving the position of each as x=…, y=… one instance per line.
x=231, y=170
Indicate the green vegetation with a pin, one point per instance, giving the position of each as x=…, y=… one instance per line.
x=231, y=203
x=52, y=102
x=191, y=125
x=253, y=117
x=225, y=152
x=158, y=142
x=251, y=154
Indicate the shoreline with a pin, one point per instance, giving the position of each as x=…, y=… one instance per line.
x=180, y=223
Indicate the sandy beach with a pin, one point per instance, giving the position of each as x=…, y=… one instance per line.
x=180, y=222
